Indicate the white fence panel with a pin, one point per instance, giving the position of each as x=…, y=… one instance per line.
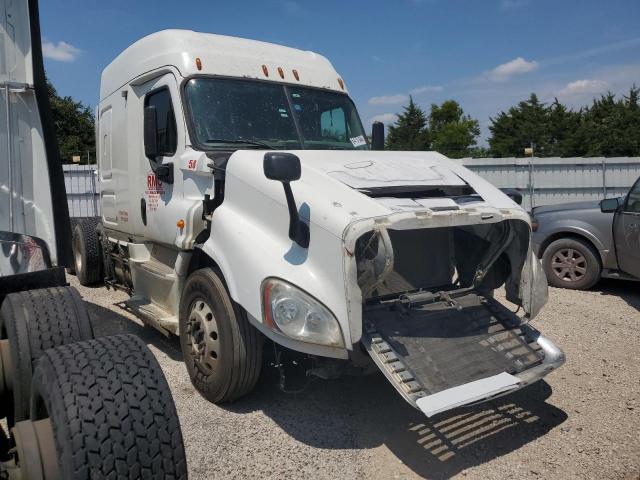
x=542, y=181
x=81, y=184
x=548, y=181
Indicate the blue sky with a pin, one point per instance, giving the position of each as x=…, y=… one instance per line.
x=486, y=54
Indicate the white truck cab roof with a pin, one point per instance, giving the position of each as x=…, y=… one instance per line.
x=196, y=53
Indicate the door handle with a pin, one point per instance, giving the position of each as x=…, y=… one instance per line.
x=143, y=210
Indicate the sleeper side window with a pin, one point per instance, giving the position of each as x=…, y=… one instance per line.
x=166, y=129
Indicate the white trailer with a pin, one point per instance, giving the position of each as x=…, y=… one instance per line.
x=242, y=203
x=72, y=406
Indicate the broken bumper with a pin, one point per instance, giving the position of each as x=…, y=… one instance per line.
x=436, y=373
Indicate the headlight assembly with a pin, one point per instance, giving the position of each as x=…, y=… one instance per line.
x=297, y=315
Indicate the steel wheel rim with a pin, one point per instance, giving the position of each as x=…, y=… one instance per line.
x=569, y=265
x=202, y=332
x=77, y=254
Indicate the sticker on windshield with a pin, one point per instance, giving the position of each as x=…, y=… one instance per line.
x=358, y=141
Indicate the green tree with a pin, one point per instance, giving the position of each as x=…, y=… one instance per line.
x=563, y=126
x=409, y=132
x=452, y=132
x=611, y=127
x=75, y=127
x=519, y=127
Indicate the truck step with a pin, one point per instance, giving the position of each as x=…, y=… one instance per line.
x=153, y=315
x=158, y=269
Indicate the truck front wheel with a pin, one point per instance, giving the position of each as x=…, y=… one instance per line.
x=222, y=350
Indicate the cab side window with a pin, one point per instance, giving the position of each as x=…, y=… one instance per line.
x=166, y=129
x=633, y=199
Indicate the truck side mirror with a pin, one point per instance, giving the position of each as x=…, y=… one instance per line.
x=377, y=136
x=285, y=167
x=609, y=205
x=513, y=194
x=150, y=134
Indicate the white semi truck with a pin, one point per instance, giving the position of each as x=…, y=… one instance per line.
x=242, y=203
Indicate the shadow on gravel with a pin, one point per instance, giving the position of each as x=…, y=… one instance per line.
x=366, y=412
x=627, y=290
x=107, y=321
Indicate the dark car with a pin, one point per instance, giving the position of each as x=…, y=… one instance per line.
x=581, y=242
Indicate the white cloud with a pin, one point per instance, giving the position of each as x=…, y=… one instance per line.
x=63, y=51
x=389, y=99
x=517, y=66
x=427, y=89
x=384, y=118
x=580, y=87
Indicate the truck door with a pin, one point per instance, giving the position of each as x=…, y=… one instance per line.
x=159, y=202
x=626, y=231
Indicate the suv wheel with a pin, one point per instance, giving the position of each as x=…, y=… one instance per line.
x=571, y=263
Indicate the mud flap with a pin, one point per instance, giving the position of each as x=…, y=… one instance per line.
x=441, y=356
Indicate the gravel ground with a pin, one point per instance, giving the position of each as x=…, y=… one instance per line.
x=582, y=421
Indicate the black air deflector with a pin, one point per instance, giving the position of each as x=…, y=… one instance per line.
x=61, y=224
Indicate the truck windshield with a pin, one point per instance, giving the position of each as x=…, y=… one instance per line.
x=237, y=113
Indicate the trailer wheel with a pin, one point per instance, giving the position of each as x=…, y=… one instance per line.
x=86, y=252
x=110, y=411
x=30, y=323
x=221, y=349
x=571, y=263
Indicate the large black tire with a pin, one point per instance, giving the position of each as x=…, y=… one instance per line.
x=87, y=256
x=571, y=263
x=233, y=368
x=110, y=409
x=34, y=321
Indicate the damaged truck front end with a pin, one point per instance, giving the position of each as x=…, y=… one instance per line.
x=423, y=283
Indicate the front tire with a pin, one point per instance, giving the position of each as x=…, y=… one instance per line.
x=221, y=349
x=571, y=263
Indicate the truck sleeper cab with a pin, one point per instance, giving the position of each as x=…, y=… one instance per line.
x=240, y=200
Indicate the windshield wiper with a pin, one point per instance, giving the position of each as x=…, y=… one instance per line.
x=254, y=143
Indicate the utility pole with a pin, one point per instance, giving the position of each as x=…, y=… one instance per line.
x=530, y=151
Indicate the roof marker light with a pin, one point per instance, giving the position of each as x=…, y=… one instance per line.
x=265, y=70
x=295, y=74
x=280, y=72
x=341, y=82
x=198, y=63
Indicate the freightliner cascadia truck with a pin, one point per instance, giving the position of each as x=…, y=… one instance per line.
x=244, y=208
